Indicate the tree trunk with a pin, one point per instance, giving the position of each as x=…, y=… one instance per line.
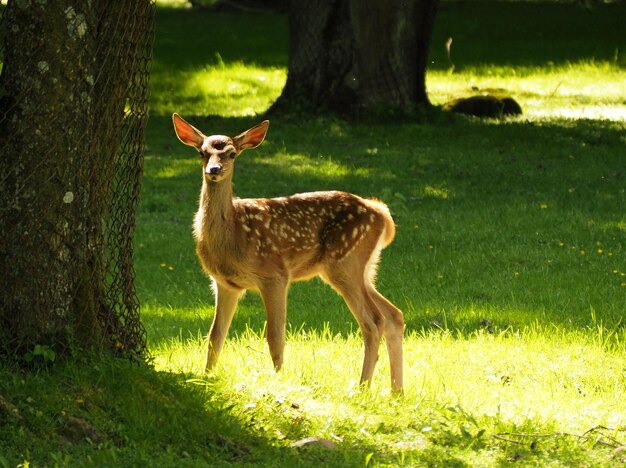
x=67, y=69
x=350, y=56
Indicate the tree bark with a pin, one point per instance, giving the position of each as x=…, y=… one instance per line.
x=354, y=56
x=63, y=86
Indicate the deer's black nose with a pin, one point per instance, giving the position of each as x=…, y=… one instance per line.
x=214, y=169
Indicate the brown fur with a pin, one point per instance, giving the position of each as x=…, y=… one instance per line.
x=263, y=244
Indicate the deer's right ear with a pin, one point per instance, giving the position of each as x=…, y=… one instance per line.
x=187, y=133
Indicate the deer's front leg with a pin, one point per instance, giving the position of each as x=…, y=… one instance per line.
x=225, y=304
x=274, y=294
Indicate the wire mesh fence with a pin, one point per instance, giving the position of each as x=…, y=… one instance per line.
x=73, y=110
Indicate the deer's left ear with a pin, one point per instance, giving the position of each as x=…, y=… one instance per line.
x=251, y=138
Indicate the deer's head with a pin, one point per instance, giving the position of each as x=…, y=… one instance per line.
x=218, y=152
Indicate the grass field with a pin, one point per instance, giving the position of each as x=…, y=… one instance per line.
x=509, y=264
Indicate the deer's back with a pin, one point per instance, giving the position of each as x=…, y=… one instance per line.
x=305, y=229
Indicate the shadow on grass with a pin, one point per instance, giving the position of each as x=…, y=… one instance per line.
x=483, y=35
x=110, y=412
x=489, y=33
x=189, y=39
x=101, y=411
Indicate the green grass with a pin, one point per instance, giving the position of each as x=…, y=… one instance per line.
x=509, y=264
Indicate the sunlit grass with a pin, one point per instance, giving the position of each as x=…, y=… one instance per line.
x=305, y=166
x=230, y=90
x=173, y=3
x=584, y=90
x=466, y=389
x=508, y=264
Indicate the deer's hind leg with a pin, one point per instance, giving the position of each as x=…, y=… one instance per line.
x=393, y=331
x=348, y=281
x=393, y=322
x=353, y=278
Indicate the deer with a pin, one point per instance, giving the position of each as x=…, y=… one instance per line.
x=264, y=244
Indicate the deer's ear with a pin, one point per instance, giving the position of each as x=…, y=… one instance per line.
x=251, y=138
x=187, y=133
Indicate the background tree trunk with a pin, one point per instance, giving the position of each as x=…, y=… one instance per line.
x=350, y=56
x=68, y=69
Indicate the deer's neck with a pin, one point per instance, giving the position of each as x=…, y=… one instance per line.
x=216, y=206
